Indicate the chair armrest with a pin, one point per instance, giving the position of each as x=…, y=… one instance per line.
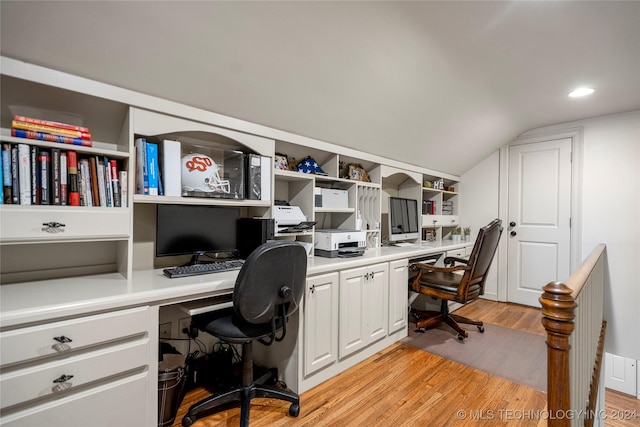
x=429, y=267
x=450, y=260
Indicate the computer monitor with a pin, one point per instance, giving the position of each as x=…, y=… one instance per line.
x=196, y=230
x=403, y=219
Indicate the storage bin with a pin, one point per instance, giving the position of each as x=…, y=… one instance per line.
x=172, y=376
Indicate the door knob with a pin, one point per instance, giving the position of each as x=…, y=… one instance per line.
x=512, y=224
x=513, y=233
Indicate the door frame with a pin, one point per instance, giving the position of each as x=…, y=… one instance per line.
x=576, y=135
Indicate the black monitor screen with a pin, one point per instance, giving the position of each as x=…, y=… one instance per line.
x=194, y=229
x=403, y=219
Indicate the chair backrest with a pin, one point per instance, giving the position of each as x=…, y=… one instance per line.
x=484, y=250
x=272, y=277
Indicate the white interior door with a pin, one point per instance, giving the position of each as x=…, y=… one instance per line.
x=538, y=226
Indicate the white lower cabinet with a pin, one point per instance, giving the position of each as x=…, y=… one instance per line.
x=90, y=370
x=320, y=322
x=398, y=294
x=364, y=307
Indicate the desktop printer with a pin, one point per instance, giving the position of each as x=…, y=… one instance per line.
x=287, y=217
x=340, y=243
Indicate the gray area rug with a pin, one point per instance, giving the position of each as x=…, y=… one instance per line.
x=517, y=356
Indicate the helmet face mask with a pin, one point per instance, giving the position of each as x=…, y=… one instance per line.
x=201, y=173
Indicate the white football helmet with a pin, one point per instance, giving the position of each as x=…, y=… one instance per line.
x=201, y=173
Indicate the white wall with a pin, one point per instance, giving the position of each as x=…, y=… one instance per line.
x=479, y=205
x=610, y=214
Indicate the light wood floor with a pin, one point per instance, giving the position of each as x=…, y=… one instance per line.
x=404, y=386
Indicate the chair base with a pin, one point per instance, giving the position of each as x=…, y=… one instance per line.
x=243, y=395
x=247, y=390
x=427, y=319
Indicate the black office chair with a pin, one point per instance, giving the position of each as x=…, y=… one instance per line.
x=268, y=290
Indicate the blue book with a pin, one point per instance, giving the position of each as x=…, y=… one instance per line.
x=152, y=168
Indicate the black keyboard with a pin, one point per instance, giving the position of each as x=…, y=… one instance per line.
x=195, y=269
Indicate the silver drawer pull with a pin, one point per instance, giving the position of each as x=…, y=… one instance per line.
x=62, y=383
x=63, y=378
x=53, y=227
x=62, y=339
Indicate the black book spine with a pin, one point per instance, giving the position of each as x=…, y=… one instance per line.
x=55, y=176
x=15, y=175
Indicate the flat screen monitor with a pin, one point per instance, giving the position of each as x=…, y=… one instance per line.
x=403, y=219
x=196, y=230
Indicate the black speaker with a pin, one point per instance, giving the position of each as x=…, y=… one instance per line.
x=252, y=232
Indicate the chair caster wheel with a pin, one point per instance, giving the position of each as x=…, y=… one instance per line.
x=461, y=337
x=294, y=410
x=421, y=330
x=187, y=421
x=481, y=329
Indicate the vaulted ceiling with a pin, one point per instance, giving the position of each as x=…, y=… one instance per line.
x=438, y=84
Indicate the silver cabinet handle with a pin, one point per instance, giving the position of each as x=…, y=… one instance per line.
x=53, y=227
x=63, y=378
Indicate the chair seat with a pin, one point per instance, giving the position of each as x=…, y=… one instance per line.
x=225, y=325
x=445, y=282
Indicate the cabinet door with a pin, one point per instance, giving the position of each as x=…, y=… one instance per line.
x=376, y=293
x=353, y=306
x=320, y=322
x=398, y=294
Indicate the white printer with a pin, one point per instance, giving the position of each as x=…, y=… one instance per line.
x=290, y=219
x=333, y=243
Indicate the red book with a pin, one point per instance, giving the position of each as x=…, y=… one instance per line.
x=51, y=123
x=72, y=164
x=43, y=136
x=50, y=129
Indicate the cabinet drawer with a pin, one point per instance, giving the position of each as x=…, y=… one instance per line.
x=62, y=337
x=20, y=224
x=120, y=402
x=38, y=381
x=458, y=253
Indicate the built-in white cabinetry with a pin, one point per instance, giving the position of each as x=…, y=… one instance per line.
x=320, y=322
x=439, y=207
x=50, y=370
x=361, y=209
x=347, y=314
x=364, y=307
x=398, y=294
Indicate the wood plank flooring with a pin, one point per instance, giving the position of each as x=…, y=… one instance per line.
x=404, y=386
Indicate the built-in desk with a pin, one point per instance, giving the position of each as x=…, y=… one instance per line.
x=93, y=307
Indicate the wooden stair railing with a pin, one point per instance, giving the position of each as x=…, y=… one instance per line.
x=572, y=315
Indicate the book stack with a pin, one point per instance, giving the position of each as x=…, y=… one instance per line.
x=45, y=130
x=33, y=175
x=447, y=207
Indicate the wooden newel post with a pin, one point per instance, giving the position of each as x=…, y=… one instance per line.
x=558, y=307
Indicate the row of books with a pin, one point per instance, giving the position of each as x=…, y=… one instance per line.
x=148, y=168
x=46, y=130
x=428, y=207
x=32, y=175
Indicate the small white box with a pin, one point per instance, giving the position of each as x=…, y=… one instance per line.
x=335, y=199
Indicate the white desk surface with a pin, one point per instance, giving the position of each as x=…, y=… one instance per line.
x=23, y=303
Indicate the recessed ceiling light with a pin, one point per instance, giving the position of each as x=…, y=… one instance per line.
x=581, y=91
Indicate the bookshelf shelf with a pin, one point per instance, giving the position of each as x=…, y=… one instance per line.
x=140, y=198
x=98, y=148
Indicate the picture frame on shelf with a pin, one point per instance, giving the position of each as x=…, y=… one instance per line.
x=281, y=162
x=357, y=173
